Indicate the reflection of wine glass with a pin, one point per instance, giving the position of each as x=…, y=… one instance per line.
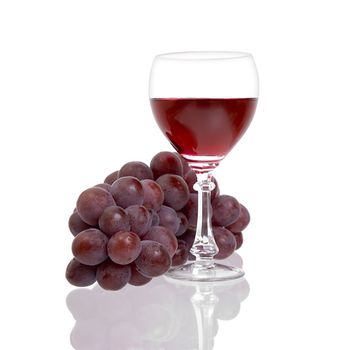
x=160, y=315
x=204, y=102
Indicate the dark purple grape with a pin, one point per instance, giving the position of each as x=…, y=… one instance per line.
x=127, y=191
x=140, y=219
x=136, y=169
x=153, y=194
x=105, y=186
x=183, y=224
x=155, y=218
x=124, y=247
x=216, y=191
x=181, y=254
x=226, y=210
x=114, y=219
x=164, y=236
x=225, y=241
x=90, y=247
x=190, y=178
x=191, y=210
x=92, y=202
x=76, y=224
x=111, y=276
x=239, y=239
x=185, y=166
x=189, y=237
x=80, y=275
x=168, y=218
x=176, y=193
x=154, y=260
x=112, y=177
x=166, y=163
x=137, y=278
x=242, y=222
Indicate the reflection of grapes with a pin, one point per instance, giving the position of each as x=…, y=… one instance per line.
x=90, y=247
x=154, y=260
x=80, y=275
x=112, y=276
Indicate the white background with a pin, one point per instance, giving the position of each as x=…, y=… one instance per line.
x=74, y=107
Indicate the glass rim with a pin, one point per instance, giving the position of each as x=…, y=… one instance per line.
x=203, y=55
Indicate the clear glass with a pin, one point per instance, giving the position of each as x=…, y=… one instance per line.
x=203, y=102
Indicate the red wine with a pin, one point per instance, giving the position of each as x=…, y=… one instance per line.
x=203, y=126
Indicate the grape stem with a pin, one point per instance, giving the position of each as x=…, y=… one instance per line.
x=204, y=247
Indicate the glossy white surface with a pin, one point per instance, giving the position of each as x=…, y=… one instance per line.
x=74, y=107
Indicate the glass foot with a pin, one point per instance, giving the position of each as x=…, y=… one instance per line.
x=205, y=272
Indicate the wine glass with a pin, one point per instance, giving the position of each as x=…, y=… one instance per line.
x=203, y=102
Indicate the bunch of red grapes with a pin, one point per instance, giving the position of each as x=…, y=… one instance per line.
x=142, y=220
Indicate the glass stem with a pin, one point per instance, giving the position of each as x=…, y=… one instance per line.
x=204, y=247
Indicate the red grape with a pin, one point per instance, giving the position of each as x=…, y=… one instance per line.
x=105, y=186
x=76, y=224
x=168, y=218
x=226, y=210
x=225, y=241
x=112, y=177
x=185, y=166
x=166, y=163
x=189, y=237
x=92, y=202
x=112, y=276
x=153, y=194
x=90, y=247
x=124, y=247
x=242, y=222
x=137, y=278
x=140, y=219
x=181, y=254
x=176, y=193
x=136, y=169
x=154, y=260
x=191, y=210
x=183, y=224
x=190, y=178
x=163, y=236
x=80, y=275
x=127, y=191
x=114, y=219
x=239, y=239
x=155, y=218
